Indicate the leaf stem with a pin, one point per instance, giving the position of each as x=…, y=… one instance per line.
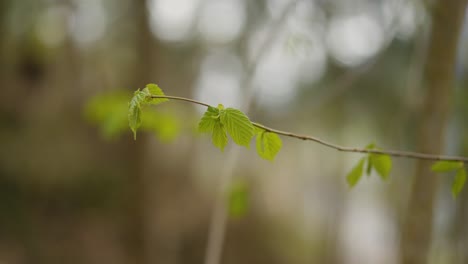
x=394, y=153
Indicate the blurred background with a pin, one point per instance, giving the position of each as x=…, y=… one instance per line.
x=76, y=188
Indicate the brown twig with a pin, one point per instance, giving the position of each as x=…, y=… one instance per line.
x=394, y=153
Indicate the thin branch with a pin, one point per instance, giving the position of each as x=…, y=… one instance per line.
x=394, y=153
x=182, y=99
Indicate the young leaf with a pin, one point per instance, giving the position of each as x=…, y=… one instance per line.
x=382, y=164
x=219, y=137
x=134, y=111
x=238, y=199
x=268, y=145
x=208, y=120
x=153, y=89
x=446, y=166
x=134, y=118
x=355, y=174
x=459, y=182
x=237, y=125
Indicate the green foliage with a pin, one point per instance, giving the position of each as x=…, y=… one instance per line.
x=153, y=89
x=238, y=199
x=134, y=112
x=237, y=125
x=112, y=112
x=109, y=111
x=355, y=174
x=211, y=123
x=219, y=137
x=460, y=176
x=208, y=120
x=268, y=144
x=381, y=163
x=219, y=120
x=140, y=99
x=446, y=166
x=371, y=146
x=165, y=126
x=459, y=182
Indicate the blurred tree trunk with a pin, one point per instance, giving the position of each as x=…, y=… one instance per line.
x=447, y=18
x=138, y=182
x=459, y=232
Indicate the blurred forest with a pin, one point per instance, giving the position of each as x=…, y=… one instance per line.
x=76, y=188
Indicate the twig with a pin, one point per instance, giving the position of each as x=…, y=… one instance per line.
x=394, y=153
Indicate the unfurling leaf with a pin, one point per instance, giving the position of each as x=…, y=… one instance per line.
x=446, y=166
x=208, y=120
x=134, y=111
x=268, y=145
x=238, y=199
x=140, y=99
x=237, y=125
x=355, y=174
x=153, y=89
x=459, y=181
x=134, y=119
x=382, y=164
x=219, y=137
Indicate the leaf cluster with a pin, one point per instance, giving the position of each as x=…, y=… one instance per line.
x=460, y=175
x=220, y=122
x=217, y=121
x=111, y=112
x=381, y=163
x=140, y=99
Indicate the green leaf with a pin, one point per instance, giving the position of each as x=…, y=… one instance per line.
x=382, y=164
x=164, y=125
x=219, y=137
x=459, y=182
x=134, y=111
x=110, y=112
x=237, y=125
x=208, y=120
x=153, y=89
x=238, y=200
x=446, y=166
x=355, y=174
x=371, y=146
x=141, y=98
x=134, y=118
x=268, y=145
